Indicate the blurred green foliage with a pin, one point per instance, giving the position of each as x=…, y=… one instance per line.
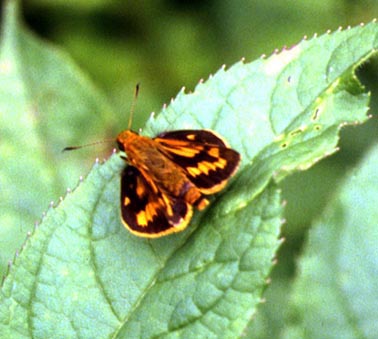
x=169, y=44
x=165, y=45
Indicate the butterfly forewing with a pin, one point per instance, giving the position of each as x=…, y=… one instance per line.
x=202, y=136
x=206, y=159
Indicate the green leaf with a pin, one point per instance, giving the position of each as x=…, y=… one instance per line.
x=335, y=295
x=40, y=89
x=81, y=274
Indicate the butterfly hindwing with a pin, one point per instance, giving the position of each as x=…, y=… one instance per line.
x=205, y=157
x=146, y=211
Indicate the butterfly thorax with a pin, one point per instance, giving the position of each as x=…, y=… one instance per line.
x=162, y=174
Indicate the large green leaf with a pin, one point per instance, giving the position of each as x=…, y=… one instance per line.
x=81, y=274
x=40, y=90
x=336, y=292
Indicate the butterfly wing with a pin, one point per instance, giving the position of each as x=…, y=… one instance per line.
x=202, y=136
x=205, y=157
x=148, y=212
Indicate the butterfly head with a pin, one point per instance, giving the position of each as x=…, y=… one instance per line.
x=125, y=137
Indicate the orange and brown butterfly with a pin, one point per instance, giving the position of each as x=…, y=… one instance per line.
x=169, y=175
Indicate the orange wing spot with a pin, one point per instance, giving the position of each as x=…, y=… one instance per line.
x=205, y=167
x=166, y=202
x=186, y=151
x=151, y=210
x=140, y=189
x=146, y=216
x=142, y=219
x=193, y=171
x=202, y=204
x=214, y=152
x=126, y=201
x=191, y=137
x=221, y=163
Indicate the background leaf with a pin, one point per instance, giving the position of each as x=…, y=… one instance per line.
x=292, y=104
x=337, y=284
x=40, y=89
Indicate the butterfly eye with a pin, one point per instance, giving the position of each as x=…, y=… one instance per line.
x=121, y=146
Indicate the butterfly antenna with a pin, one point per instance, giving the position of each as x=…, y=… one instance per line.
x=133, y=105
x=73, y=148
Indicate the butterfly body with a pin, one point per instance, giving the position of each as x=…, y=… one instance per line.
x=166, y=176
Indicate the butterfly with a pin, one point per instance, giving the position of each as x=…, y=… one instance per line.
x=169, y=175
